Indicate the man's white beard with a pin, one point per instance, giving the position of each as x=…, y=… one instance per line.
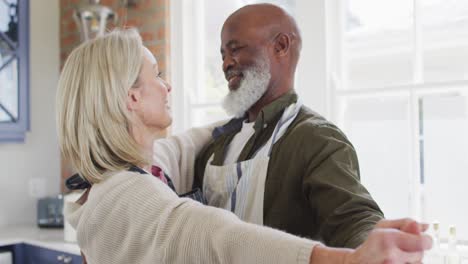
x=251, y=89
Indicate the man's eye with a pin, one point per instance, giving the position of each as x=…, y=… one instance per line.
x=159, y=75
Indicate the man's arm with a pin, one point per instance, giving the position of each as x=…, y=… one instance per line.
x=345, y=211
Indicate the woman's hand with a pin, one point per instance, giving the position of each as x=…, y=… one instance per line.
x=391, y=242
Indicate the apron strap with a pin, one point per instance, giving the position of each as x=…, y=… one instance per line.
x=284, y=119
x=234, y=192
x=195, y=194
x=76, y=182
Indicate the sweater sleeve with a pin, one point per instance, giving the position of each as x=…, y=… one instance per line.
x=140, y=220
x=176, y=155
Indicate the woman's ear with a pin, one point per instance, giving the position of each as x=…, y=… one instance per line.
x=133, y=99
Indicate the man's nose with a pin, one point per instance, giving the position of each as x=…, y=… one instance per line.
x=228, y=63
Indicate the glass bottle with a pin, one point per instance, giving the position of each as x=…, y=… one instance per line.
x=453, y=257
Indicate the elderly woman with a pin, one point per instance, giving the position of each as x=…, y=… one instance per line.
x=111, y=105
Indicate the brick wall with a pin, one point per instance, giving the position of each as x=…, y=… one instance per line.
x=151, y=17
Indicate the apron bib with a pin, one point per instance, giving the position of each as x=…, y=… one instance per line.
x=240, y=187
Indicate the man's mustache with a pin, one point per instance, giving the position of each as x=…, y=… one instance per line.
x=231, y=73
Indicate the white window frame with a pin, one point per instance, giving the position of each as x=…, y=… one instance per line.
x=419, y=88
x=15, y=131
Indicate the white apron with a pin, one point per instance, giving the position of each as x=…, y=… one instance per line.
x=240, y=187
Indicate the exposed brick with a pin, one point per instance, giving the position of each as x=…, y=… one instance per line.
x=67, y=14
x=162, y=3
x=157, y=50
x=69, y=27
x=107, y=2
x=134, y=22
x=147, y=36
x=161, y=34
x=142, y=5
x=121, y=12
x=69, y=40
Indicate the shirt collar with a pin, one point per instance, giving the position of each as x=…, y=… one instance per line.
x=270, y=112
x=266, y=116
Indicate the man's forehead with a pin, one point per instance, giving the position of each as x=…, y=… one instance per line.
x=239, y=23
x=237, y=35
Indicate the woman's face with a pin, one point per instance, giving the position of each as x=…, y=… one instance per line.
x=149, y=96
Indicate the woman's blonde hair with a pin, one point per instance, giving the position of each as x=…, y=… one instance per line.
x=92, y=118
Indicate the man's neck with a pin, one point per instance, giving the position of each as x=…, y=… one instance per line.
x=265, y=100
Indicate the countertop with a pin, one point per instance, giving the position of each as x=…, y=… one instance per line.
x=46, y=238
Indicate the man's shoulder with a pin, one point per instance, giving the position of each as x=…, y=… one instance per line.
x=311, y=126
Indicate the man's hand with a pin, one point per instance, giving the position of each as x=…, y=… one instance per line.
x=393, y=241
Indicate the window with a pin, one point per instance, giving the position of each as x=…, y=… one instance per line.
x=400, y=95
x=14, y=72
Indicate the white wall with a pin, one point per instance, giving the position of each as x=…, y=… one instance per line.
x=38, y=157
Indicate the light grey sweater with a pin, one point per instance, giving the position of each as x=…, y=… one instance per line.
x=135, y=218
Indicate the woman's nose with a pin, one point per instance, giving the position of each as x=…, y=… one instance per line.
x=168, y=87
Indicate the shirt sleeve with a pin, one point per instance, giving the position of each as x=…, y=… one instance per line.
x=346, y=211
x=142, y=221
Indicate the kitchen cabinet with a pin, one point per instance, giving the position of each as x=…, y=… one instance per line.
x=29, y=254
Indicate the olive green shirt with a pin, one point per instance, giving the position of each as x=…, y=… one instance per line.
x=312, y=187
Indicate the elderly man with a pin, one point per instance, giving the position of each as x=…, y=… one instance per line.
x=277, y=163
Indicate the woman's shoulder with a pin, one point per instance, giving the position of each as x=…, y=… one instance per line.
x=123, y=190
x=127, y=182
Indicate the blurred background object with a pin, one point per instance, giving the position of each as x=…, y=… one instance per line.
x=92, y=19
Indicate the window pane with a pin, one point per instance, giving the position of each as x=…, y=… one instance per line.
x=4, y=16
x=8, y=62
x=445, y=130
x=379, y=43
x=207, y=115
x=9, y=19
x=379, y=130
x=8, y=89
x=445, y=34
x=216, y=12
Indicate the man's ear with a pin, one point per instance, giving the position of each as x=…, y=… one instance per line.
x=133, y=99
x=282, y=44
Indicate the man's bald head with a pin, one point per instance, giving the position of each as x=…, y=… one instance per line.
x=267, y=21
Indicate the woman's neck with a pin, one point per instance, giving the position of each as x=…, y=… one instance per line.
x=145, y=138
